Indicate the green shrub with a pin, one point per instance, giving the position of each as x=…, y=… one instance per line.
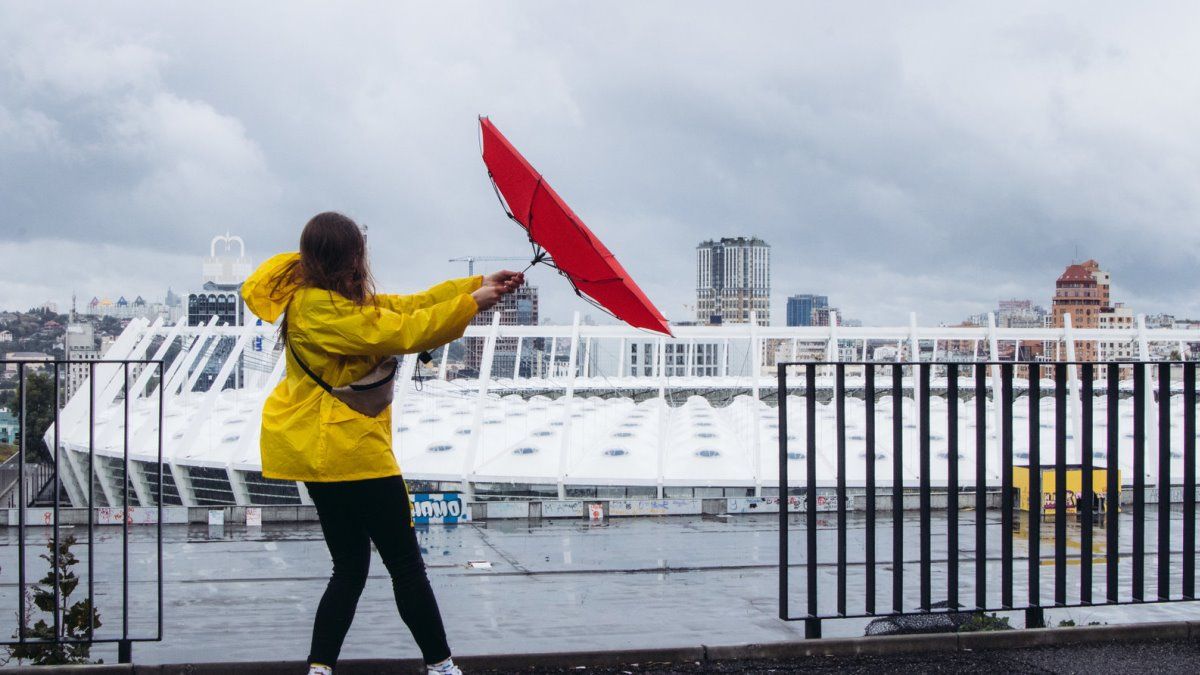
x=74, y=617
x=985, y=622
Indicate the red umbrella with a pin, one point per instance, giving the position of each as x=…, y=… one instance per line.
x=554, y=229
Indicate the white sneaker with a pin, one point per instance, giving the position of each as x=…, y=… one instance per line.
x=446, y=667
x=319, y=669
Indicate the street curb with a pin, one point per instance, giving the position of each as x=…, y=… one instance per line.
x=881, y=646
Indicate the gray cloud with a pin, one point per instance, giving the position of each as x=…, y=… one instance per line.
x=931, y=158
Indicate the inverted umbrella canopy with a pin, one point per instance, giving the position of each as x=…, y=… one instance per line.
x=554, y=229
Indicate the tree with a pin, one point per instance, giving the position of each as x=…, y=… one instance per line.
x=77, y=620
x=39, y=414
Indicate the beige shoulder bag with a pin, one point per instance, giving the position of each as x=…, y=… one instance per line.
x=369, y=395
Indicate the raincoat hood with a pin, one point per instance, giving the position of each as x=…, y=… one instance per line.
x=260, y=293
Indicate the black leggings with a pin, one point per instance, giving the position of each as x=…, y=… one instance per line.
x=353, y=514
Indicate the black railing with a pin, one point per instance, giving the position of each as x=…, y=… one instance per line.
x=1097, y=510
x=124, y=638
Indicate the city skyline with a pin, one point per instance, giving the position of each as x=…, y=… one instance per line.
x=881, y=173
x=1026, y=312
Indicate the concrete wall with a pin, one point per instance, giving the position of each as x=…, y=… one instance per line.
x=537, y=509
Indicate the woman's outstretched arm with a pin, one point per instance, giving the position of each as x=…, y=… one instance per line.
x=405, y=304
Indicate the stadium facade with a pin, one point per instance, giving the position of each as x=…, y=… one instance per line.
x=700, y=421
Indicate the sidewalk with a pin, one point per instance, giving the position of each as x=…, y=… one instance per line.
x=1160, y=648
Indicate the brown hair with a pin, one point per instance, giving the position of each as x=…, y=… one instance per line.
x=333, y=257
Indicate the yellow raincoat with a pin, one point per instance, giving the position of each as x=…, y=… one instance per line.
x=309, y=435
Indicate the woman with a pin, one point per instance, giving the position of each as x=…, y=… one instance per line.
x=335, y=323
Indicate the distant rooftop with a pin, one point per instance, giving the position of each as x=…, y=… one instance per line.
x=733, y=241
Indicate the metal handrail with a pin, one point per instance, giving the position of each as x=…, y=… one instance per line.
x=126, y=638
x=1096, y=506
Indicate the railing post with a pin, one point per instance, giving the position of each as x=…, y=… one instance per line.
x=756, y=427
x=781, y=383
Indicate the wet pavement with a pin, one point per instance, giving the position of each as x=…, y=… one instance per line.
x=238, y=594
x=1156, y=657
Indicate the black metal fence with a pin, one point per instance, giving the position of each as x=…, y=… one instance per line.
x=59, y=634
x=968, y=570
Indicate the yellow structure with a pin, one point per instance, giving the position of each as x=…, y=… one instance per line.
x=1074, y=477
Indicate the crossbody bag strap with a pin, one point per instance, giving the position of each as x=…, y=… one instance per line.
x=322, y=383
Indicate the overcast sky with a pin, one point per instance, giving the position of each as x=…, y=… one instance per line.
x=928, y=157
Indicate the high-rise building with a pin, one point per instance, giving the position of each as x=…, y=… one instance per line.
x=80, y=347
x=1020, y=314
x=223, y=274
x=823, y=316
x=1083, y=291
x=800, y=308
x=225, y=267
x=733, y=278
x=519, y=308
x=1117, y=316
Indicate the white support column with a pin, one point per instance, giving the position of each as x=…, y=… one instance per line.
x=914, y=343
x=914, y=349
x=689, y=356
x=564, y=451
x=1074, y=409
x=184, y=363
x=724, y=358
x=661, y=357
x=138, y=344
x=485, y=372
x=202, y=415
x=1150, y=405
x=201, y=363
x=553, y=356
x=517, y=360
x=993, y=457
x=795, y=349
x=138, y=437
x=587, y=357
x=621, y=358
x=444, y=363
x=114, y=380
x=237, y=486
x=831, y=343
x=755, y=356
x=144, y=378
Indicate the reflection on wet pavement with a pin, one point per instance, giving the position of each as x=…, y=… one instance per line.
x=233, y=593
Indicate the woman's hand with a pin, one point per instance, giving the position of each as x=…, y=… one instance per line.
x=507, y=280
x=488, y=295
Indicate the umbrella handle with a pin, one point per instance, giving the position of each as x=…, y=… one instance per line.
x=537, y=258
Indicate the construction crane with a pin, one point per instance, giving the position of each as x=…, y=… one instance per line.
x=470, y=260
